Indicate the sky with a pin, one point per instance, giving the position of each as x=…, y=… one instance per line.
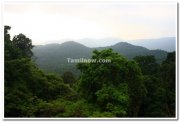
x=58, y=22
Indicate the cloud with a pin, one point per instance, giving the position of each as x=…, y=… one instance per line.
x=43, y=22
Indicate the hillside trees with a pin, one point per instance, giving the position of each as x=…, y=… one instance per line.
x=122, y=88
x=159, y=81
x=68, y=77
x=24, y=44
x=115, y=87
x=26, y=87
x=147, y=64
x=10, y=51
x=168, y=75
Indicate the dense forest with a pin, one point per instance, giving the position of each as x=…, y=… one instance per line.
x=53, y=57
x=138, y=87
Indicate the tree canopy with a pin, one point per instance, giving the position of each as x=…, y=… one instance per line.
x=117, y=84
x=121, y=88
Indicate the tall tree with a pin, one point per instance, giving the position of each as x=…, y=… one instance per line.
x=168, y=75
x=9, y=50
x=137, y=90
x=24, y=44
x=27, y=87
x=68, y=77
x=147, y=64
x=112, y=85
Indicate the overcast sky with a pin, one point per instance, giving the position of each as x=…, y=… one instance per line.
x=45, y=22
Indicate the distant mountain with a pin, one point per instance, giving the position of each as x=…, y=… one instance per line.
x=53, y=57
x=167, y=44
x=99, y=42
x=130, y=51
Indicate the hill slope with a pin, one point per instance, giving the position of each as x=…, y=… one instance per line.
x=53, y=57
x=167, y=43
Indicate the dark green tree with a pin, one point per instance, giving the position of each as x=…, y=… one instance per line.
x=168, y=75
x=9, y=49
x=6, y=34
x=68, y=77
x=26, y=86
x=137, y=90
x=147, y=64
x=102, y=83
x=24, y=44
x=160, y=85
x=120, y=88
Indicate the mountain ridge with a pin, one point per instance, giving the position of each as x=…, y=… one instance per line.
x=53, y=58
x=163, y=43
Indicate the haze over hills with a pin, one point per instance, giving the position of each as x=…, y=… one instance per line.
x=53, y=57
x=166, y=43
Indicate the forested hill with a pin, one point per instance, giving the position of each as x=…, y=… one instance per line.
x=130, y=51
x=53, y=57
x=122, y=88
x=165, y=43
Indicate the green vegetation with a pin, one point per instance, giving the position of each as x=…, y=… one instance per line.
x=140, y=87
x=53, y=57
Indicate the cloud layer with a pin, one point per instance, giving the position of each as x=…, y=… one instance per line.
x=43, y=22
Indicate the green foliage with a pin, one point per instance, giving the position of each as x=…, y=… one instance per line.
x=116, y=89
x=10, y=51
x=16, y=100
x=24, y=44
x=26, y=85
x=102, y=114
x=102, y=83
x=114, y=100
x=136, y=88
x=78, y=109
x=148, y=64
x=160, y=85
x=53, y=57
x=62, y=108
x=68, y=78
x=168, y=74
x=94, y=75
